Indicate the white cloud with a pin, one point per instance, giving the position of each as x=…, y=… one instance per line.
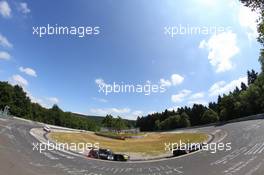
x=126, y=113
x=122, y=112
x=151, y=112
x=175, y=108
x=197, y=95
x=165, y=83
x=137, y=113
x=222, y=48
x=34, y=99
x=4, y=42
x=221, y=87
x=52, y=100
x=112, y=111
x=197, y=98
x=248, y=19
x=46, y=102
x=23, y=7
x=5, y=10
x=18, y=80
x=175, y=79
x=28, y=71
x=4, y=55
x=100, y=82
x=180, y=96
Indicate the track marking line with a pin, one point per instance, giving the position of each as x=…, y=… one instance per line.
x=252, y=149
x=50, y=156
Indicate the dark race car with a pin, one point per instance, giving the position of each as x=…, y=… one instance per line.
x=121, y=157
x=179, y=152
x=107, y=154
x=93, y=153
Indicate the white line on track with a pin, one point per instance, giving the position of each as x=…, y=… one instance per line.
x=50, y=156
x=62, y=155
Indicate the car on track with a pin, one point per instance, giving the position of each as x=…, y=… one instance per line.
x=178, y=152
x=93, y=153
x=121, y=157
x=100, y=153
x=107, y=154
x=46, y=128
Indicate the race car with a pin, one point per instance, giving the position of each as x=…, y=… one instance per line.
x=121, y=157
x=107, y=154
x=46, y=128
x=179, y=152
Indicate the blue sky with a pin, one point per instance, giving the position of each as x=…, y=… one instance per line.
x=131, y=48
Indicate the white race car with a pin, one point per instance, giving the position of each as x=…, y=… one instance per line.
x=46, y=128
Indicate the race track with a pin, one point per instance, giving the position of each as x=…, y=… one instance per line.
x=246, y=157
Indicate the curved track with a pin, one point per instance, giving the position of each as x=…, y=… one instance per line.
x=245, y=158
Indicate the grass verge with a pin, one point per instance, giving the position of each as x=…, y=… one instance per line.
x=151, y=144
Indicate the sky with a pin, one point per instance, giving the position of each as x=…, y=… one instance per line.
x=136, y=43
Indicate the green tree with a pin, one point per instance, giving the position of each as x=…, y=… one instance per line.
x=157, y=125
x=252, y=76
x=227, y=108
x=6, y=93
x=108, y=121
x=210, y=116
x=119, y=124
x=243, y=86
x=171, y=122
x=184, y=120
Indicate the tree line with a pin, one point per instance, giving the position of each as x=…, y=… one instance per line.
x=244, y=101
x=115, y=124
x=21, y=106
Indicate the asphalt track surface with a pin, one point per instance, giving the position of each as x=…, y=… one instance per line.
x=246, y=157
